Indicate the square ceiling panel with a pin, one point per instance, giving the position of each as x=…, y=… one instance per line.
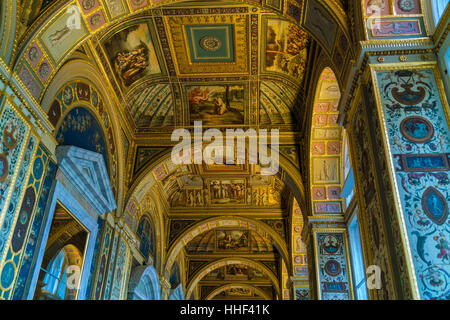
x=210, y=43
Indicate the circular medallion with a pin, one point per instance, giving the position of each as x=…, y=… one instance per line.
x=4, y=167
x=417, y=129
x=406, y=5
x=210, y=43
x=333, y=268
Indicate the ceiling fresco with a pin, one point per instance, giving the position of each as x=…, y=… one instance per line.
x=231, y=67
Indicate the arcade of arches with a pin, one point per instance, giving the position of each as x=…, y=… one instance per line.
x=93, y=206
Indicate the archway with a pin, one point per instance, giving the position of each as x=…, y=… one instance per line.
x=224, y=221
x=144, y=284
x=199, y=275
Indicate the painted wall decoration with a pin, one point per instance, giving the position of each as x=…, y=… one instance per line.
x=301, y=293
x=80, y=118
x=333, y=269
x=418, y=139
x=299, y=250
x=145, y=233
x=10, y=214
x=326, y=147
x=217, y=105
x=227, y=191
x=369, y=205
x=394, y=18
x=59, y=38
x=13, y=133
x=27, y=226
x=120, y=278
x=28, y=261
x=80, y=128
x=285, y=48
x=132, y=54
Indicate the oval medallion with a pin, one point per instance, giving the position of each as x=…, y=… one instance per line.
x=417, y=129
x=333, y=268
x=435, y=206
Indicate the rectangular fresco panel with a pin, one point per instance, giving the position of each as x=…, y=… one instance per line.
x=326, y=170
x=233, y=240
x=333, y=269
x=216, y=105
x=60, y=37
x=227, y=192
x=132, y=54
x=285, y=48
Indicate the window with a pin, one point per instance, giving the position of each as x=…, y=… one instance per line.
x=447, y=61
x=349, y=184
x=56, y=276
x=438, y=7
x=357, y=260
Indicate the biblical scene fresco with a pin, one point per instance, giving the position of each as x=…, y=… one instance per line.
x=285, y=48
x=216, y=105
x=229, y=241
x=187, y=190
x=132, y=54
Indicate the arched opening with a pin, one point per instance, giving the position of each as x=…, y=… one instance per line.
x=62, y=264
x=144, y=284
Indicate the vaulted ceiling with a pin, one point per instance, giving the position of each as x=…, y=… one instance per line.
x=225, y=66
x=235, y=64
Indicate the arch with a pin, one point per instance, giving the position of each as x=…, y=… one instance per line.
x=148, y=206
x=82, y=71
x=199, y=275
x=326, y=167
x=258, y=291
x=42, y=27
x=8, y=27
x=91, y=137
x=224, y=221
x=144, y=284
x=177, y=293
x=291, y=178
